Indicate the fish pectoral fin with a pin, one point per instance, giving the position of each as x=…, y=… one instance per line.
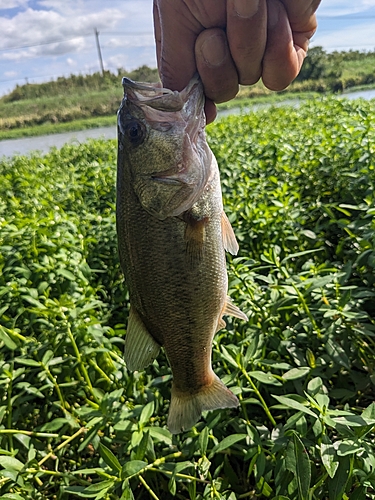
x=186, y=408
x=229, y=238
x=232, y=310
x=140, y=347
x=195, y=237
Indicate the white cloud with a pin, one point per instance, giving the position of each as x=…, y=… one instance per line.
x=10, y=74
x=39, y=26
x=358, y=38
x=132, y=41
x=12, y=4
x=333, y=8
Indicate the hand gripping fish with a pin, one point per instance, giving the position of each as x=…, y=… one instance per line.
x=172, y=237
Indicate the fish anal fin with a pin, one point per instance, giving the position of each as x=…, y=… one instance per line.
x=232, y=310
x=195, y=237
x=186, y=408
x=229, y=238
x=221, y=324
x=140, y=347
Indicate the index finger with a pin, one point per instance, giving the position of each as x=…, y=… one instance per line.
x=175, y=33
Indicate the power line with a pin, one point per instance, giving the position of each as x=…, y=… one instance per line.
x=61, y=40
x=44, y=43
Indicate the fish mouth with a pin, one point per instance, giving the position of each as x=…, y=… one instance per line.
x=160, y=98
x=174, y=176
x=167, y=180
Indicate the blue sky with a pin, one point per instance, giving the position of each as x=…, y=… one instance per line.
x=43, y=39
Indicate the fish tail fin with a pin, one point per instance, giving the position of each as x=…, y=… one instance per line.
x=186, y=408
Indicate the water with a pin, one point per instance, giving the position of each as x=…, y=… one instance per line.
x=44, y=143
x=364, y=94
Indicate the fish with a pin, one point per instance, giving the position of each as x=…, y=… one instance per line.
x=172, y=238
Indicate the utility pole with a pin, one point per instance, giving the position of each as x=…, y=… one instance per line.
x=99, y=51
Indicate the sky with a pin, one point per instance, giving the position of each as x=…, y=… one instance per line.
x=41, y=40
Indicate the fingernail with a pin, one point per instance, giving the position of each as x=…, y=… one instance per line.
x=273, y=16
x=246, y=8
x=214, y=50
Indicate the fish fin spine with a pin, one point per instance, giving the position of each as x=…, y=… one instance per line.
x=229, y=238
x=140, y=347
x=186, y=408
x=232, y=310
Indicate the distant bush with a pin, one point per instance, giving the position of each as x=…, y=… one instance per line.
x=94, y=82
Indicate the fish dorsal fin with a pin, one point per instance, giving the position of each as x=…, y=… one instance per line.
x=232, y=310
x=229, y=238
x=140, y=347
x=195, y=237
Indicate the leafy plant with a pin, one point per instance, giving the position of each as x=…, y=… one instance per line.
x=298, y=187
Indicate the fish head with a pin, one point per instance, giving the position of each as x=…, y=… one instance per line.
x=162, y=145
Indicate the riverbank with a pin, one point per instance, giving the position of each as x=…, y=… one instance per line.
x=108, y=121
x=248, y=103
x=106, y=128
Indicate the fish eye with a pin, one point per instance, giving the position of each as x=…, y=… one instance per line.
x=135, y=132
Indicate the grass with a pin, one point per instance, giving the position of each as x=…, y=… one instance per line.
x=298, y=187
x=362, y=65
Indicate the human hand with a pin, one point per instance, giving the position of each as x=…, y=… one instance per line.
x=232, y=42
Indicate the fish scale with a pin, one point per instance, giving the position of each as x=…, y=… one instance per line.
x=172, y=236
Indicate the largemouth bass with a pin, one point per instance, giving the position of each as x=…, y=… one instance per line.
x=172, y=237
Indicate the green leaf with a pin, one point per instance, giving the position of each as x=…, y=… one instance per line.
x=227, y=442
x=54, y=425
x=300, y=254
x=127, y=493
x=12, y=496
x=132, y=468
x=265, y=378
x=291, y=403
x=348, y=447
x=203, y=441
x=337, y=485
x=103, y=485
x=369, y=412
x=296, y=373
x=48, y=355
x=161, y=434
x=67, y=274
x=329, y=456
x=109, y=458
x=228, y=357
x=142, y=446
x=34, y=302
x=147, y=412
x=172, y=486
x=359, y=493
x=297, y=461
x=4, y=337
x=338, y=354
x=11, y=463
x=27, y=362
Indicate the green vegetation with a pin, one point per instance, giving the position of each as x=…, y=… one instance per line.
x=84, y=101
x=298, y=186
